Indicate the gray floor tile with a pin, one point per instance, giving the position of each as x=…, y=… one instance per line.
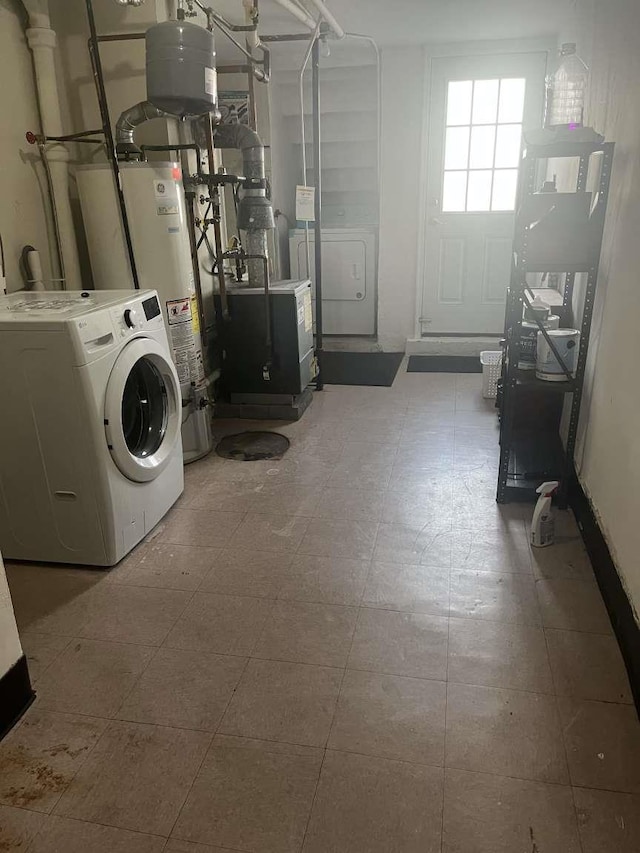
x=40, y=757
x=92, y=677
x=161, y=565
x=506, y=732
x=246, y=572
x=411, y=644
x=495, y=654
x=287, y=702
x=427, y=544
x=201, y=527
x=588, y=666
x=609, y=822
x=375, y=805
x=573, y=604
x=136, y=777
x=41, y=651
x=77, y=836
x=496, y=597
x=349, y=504
x=491, y=550
x=18, y=828
x=251, y=796
x=603, y=744
x=132, y=614
x=187, y=689
x=416, y=589
x=326, y=580
x=390, y=716
x=307, y=633
x=330, y=537
x=263, y=532
x=496, y=814
x=223, y=624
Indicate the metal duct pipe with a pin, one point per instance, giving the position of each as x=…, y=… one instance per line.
x=255, y=212
x=246, y=140
x=129, y=121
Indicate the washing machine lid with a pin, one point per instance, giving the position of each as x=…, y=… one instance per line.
x=142, y=413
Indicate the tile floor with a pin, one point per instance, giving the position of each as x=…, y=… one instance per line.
x=352, y=650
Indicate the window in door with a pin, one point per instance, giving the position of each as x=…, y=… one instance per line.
x=482, y=144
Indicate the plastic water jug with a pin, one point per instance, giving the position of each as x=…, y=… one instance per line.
x=566, y=89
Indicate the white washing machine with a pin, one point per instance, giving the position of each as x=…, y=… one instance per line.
x=90, y=448
x=349, y=277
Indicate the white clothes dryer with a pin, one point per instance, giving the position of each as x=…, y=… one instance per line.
x=90, y=447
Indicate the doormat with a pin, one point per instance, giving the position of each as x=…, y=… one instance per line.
x=360, y=368
x=444, y=364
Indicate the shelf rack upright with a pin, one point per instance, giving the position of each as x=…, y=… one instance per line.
x=531, y=452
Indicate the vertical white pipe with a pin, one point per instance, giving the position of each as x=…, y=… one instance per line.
x=42, y=41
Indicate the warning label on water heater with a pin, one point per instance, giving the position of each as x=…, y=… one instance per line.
x=182, y=337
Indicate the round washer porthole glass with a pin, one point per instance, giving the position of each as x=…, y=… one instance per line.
x=144, y=409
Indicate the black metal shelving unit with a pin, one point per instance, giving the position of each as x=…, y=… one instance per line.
x=531, y=449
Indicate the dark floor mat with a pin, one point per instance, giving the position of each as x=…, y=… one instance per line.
x=444, y=364
x=360, y=368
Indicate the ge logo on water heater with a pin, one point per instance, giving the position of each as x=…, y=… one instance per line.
x=160, y=188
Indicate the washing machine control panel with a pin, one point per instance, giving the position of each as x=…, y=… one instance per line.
x=135, y=316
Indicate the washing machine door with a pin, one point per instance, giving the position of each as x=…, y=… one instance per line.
x=142, y=410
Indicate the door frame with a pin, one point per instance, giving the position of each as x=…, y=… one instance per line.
x=456, y=50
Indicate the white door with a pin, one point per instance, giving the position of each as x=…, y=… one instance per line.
x=142, y=410
x=479, y=107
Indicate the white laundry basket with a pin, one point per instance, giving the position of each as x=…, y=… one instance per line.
x=491, y=361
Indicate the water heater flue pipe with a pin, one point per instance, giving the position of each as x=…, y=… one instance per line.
x=128, y=122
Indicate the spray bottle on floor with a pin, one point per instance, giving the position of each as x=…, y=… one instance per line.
x=543, y=523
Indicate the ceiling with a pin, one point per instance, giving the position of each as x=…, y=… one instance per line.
x=420, y=21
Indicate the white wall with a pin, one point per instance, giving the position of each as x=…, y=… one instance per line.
x=23, y=196
x=608, y=454
x=10, y=649
x=403, y=75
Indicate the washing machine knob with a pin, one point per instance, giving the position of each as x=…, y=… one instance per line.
x=130, y=317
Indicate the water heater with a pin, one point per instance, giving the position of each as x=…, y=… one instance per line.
x=156, y=205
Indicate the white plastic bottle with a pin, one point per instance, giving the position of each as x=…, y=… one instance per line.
x=543, y=522
x=566, y=89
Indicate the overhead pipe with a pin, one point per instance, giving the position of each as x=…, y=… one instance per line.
x=329, y=18
x=303, y=140
x=299, y=13
x=42, y=42
x=317, y=207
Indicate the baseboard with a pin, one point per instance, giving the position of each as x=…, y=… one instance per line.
x=16, y=694
x=452, y=345
x=621, y=613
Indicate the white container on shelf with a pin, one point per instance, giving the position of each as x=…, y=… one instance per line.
x=566, y=341
x=566, y=90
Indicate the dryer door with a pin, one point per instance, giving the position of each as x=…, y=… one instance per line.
x=142, y=410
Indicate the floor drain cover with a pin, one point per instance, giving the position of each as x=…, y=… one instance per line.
x=251, y=446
